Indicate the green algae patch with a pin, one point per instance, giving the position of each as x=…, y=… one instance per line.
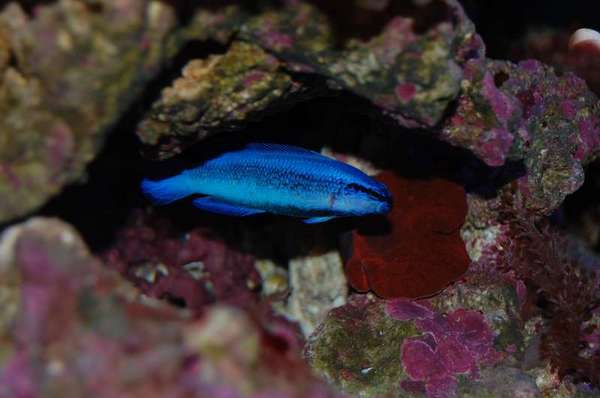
x=217, y=93
x=357, y=348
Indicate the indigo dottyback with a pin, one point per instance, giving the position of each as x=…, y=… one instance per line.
x=274, y=178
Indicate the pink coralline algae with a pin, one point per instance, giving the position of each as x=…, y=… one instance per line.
x=453, y=344
x=551, y=46
x=411, y=70
x=195, y=270
x=525, y=112
x=73, y=318
x=487, y=134
x=76, y=328
x=62, y=87
x=422, y=86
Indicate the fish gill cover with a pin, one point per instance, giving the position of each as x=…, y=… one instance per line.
x=261, y=307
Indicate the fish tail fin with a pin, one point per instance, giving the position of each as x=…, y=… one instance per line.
x=168, y=190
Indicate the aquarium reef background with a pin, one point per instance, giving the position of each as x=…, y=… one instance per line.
x=483, y=280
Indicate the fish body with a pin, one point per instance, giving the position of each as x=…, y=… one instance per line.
x=279, y=179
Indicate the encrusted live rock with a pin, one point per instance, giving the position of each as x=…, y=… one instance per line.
x=317, y=285
x=525, y=112
x=80, y=329
x=195, y=270
x=523, y=320
x=66, y=74
x=411, y=75
x=220, y=93
x=357, y=347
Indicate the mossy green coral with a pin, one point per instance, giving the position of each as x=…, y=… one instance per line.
x=357, y=348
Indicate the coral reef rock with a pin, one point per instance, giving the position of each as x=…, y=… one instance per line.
x=70, y=327
x=357, y=347
x=317, y=285
x=411, y=72
x=193, y=271
x=66, y=74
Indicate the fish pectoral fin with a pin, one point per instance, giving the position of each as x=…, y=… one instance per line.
x=316, y=220
x=219, y=207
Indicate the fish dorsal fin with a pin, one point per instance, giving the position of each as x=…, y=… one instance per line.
x=268, y=147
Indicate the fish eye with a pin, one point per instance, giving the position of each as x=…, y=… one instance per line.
x=368, y=191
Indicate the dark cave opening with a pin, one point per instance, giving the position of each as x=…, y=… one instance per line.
x=102, y=203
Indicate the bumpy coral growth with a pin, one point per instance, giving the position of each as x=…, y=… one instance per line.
x=551, y=46
x=357, y=347
x=411, y=70
x=420, y=69
x=458, y=343
x=222, y=90
x=526, y=112
x=62, y=84
x=417, y=251
x=80, y=330
x=567, y=294
x=75, y=318
x=193, y=270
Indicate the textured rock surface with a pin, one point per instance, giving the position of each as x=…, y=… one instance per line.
x=478, y=338
x=74, y=316
x=357, y=347
x=66, y=74
x=539, y=262
x=526, y=112
x=220, y=93
x=410, y=73
x=71, y=328
x=317, y=285
x=307, y=289
x=194, y=271
x=523, y=320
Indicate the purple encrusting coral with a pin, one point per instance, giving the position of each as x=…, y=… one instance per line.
x=70, y=327
x=194, y=269
x=453, y=344
x=525, y=112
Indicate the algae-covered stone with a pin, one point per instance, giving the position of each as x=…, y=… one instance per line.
x=498, y=303
x=79, y=327
x=410, y=73
x=357, y=348
x=299, y=29
x=316, y=285
x=526, y=112
x=218, y=24
x=219, y=93
x=66, y=74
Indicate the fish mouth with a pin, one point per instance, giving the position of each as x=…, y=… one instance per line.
x=385, y=207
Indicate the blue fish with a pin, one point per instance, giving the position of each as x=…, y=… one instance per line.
x=274, y=178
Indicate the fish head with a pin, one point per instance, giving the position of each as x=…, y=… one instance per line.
x=363, y=198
